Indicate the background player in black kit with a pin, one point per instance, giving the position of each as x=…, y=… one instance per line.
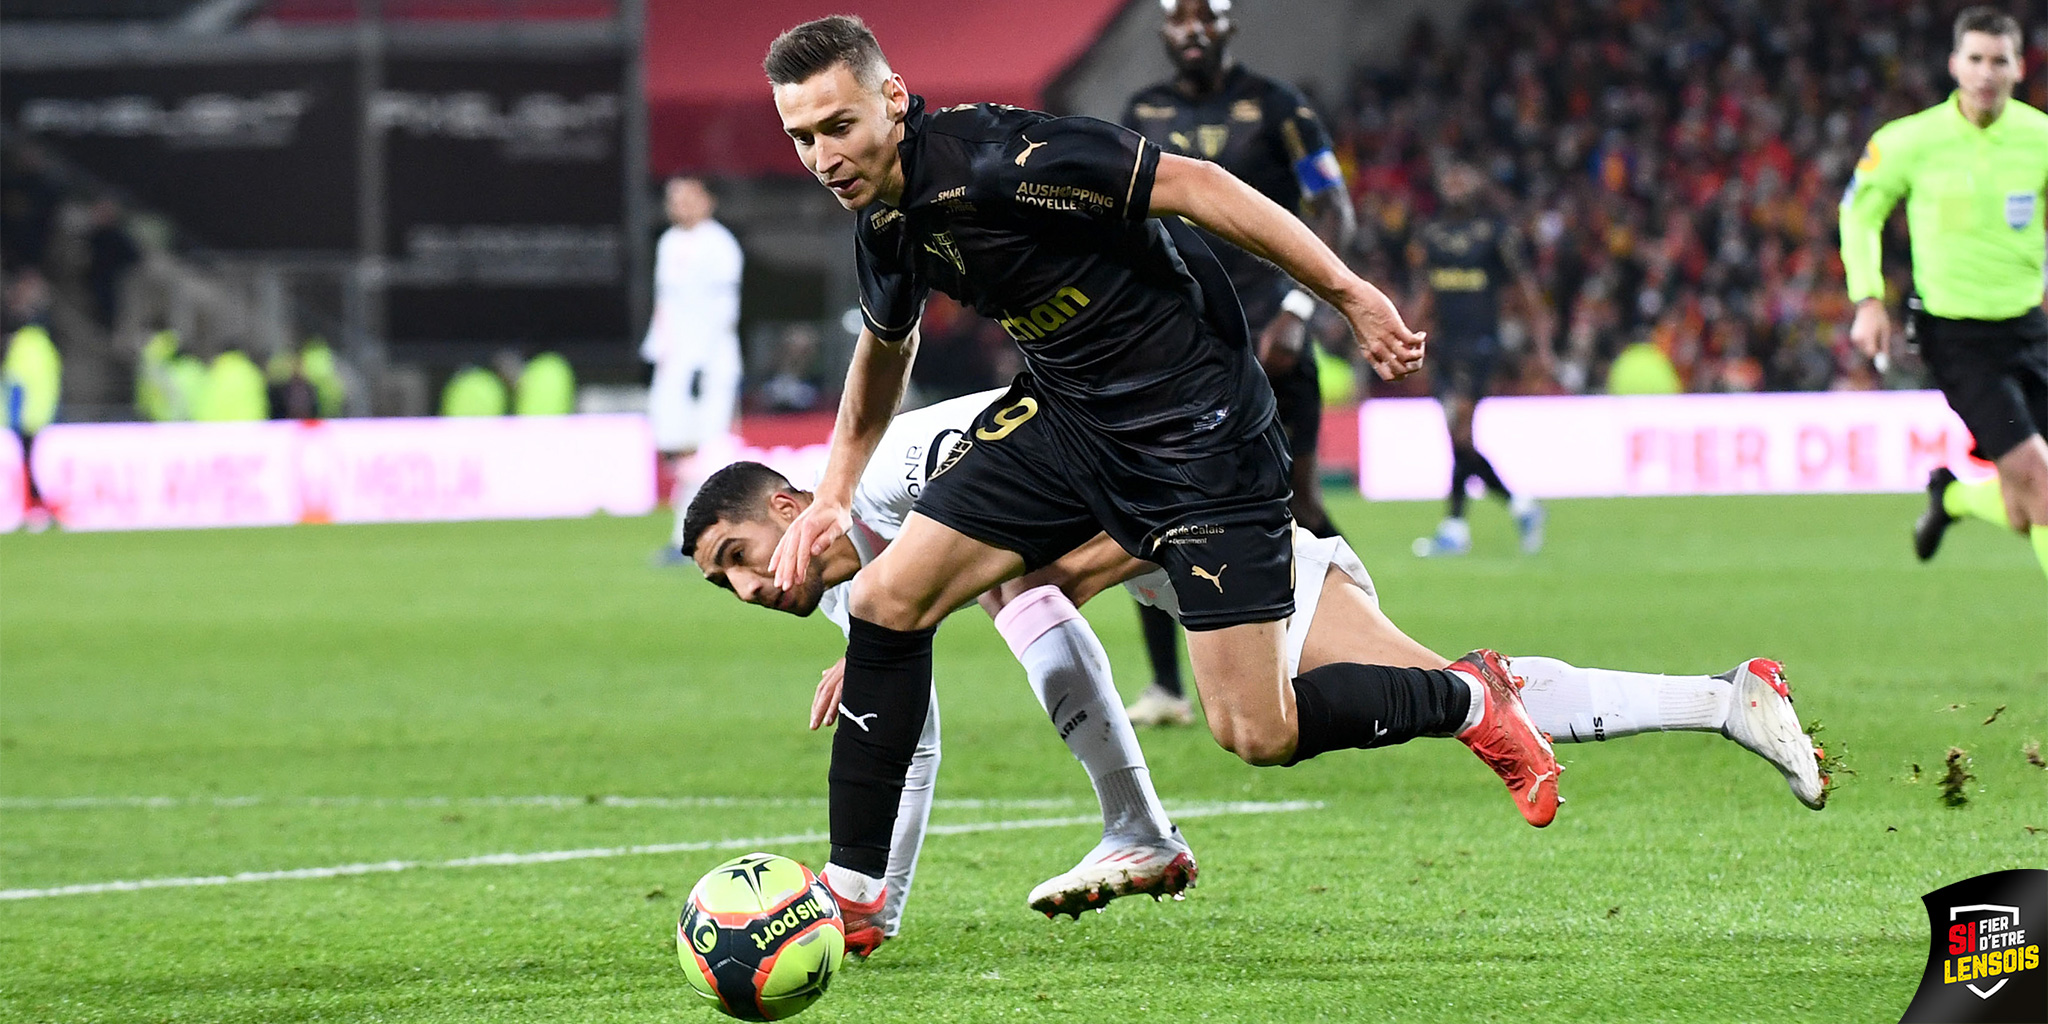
x=1143, y=414
x=1464, y=258
x=1262, y=131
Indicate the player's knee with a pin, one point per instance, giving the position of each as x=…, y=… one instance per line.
x=876, y=600
x=1259, y=744
x=2025, y=473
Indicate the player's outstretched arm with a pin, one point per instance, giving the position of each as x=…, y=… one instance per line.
x=874, y=387
x=1213, y=198
x=1875, y=188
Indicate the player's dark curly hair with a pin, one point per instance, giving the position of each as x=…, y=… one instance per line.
x=1989, y=19
x=820, y=45
x=736, y=494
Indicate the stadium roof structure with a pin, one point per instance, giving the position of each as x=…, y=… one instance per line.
x=708, y=103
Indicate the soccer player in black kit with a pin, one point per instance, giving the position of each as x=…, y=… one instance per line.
x=1142, y=414
x=1262, y=131
x=1465, y=257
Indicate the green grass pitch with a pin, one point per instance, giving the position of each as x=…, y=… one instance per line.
x=326, y=696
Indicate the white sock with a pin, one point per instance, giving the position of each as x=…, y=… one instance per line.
x=1069, y=671
x=1476, y=708
x=851, y=885
x=913, y=813
x=1582, y=705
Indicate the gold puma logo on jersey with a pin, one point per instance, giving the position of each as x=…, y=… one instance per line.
x=1213, y=577
x=1029, y=148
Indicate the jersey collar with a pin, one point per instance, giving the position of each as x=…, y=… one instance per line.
x=1955, y=110
x=915, y=118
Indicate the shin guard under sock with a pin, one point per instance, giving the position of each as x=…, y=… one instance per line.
x=883, y=702
x=1346, y=705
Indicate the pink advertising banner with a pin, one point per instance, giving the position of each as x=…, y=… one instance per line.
x=133, y=476
x=1604, y=446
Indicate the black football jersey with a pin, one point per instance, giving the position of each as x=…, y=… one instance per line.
x=1466, y=262
x=1040, y=223
x=1259, y=129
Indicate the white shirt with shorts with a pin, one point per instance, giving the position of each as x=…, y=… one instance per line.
x=693, y=340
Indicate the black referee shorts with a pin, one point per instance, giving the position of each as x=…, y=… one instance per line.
x=1994, y=374
x=1025, y=480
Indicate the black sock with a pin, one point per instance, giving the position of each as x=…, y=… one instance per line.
x=1162, y=643
x=1345, y=705
x=1461, y=471
x=1483, y=469
x=883, y=701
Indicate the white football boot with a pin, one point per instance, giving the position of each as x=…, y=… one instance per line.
x=1119, y=867
x=1156, y=706
x=1760, y=717
x=1453, y=537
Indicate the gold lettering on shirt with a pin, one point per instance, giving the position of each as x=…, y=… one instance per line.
x=1064, y=197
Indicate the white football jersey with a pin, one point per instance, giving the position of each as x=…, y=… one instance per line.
x=911, y=449
x=696, y=297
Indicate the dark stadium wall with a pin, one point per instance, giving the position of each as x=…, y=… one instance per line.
x=1314, y=44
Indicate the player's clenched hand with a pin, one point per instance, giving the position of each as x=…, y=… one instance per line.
x=1393, y=350
x=825, y=704
x=1872, y=329
x=809, y=534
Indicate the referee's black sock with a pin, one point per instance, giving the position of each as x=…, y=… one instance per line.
x=1346, y=705
x=883, y=701
x=1162, y=643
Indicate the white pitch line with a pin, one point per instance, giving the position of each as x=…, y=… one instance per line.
x=88, y=803
x=594, y=853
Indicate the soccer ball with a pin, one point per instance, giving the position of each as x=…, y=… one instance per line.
x=760, y=937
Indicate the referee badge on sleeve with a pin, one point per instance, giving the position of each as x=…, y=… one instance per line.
x=2019, y=209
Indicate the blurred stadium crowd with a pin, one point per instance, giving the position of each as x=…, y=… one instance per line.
x=1674, y=168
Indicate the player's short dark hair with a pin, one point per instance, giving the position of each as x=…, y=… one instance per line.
x=1984, y=18
x=736, y=494
x=817, y=46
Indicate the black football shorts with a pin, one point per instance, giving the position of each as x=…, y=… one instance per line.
x=1298, y=400
x=1024, y=479
x=1994, y=374
x=1462, y=366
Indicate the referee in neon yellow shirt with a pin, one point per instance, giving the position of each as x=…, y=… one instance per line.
x=1972, y=171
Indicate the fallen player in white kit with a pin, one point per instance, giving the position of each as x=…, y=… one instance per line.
x=1337, y=618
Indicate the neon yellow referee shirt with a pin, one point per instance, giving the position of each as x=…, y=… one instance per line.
x=1974, y=201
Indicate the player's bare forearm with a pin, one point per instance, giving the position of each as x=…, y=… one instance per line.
x=874, y=388
x=1330, y=216
x=1215, y=199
